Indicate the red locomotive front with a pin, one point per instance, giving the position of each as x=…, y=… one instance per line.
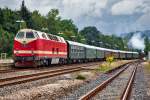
x=38, y=48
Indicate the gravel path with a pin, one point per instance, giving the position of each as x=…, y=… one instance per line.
x=139, y=86
x=74, y=95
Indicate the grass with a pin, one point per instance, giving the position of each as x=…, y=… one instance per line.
x=104, y=67
x=147, y=66
x=80, y=77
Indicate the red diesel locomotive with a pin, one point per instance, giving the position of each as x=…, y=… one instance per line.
x=38, y=48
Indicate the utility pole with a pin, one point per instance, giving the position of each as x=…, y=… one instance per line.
x=19, y=21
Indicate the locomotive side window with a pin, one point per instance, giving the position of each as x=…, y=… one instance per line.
x=55, y=38
x=20, y=35
x=36, y=34
x=50, y=37
x=30, y=35
x=44, y=36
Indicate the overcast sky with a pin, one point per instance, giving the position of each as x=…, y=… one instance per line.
x=109, y=16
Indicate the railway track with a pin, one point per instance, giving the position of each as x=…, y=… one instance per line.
x=12, y=69
x=39, y=75
x=126, y=91
x=36, y=76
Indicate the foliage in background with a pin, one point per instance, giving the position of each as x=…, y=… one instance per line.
x=6, y=42
x=51, y=23
x=147, y=45
x=95, y=37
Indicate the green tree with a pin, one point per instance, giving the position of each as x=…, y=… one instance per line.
x=69, y=29
x=68, y=25
x=1, y=17
x=9, y=20
x=147, y=45
x=53, y=21
x=26, y=15
x=39, y=21
x=91, y=34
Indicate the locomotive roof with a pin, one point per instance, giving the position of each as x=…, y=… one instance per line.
x=60, y=39
x=26, y=30
x=29, y=30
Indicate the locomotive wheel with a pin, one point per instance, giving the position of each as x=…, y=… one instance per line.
x=36, y=64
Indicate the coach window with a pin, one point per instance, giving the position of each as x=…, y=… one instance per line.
x=30, y=35
x=20, y=35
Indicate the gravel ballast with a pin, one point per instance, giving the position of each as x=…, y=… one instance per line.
x=46, y=92
x=7, y=90
x=55, y=88
x=75, y=95
x=146, y=67
x=139, y=86
x=114, y=90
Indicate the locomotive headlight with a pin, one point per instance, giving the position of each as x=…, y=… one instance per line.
x=16, y=51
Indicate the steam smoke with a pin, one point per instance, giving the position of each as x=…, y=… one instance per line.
x=137, y=42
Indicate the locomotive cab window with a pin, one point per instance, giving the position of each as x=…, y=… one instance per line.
x=20, y=35
x=30, y=35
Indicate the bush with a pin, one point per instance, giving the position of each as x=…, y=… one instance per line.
x=103, y=68
x=80, y=77
x=110, y=59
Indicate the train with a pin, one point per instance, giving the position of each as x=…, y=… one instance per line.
x=36, y=48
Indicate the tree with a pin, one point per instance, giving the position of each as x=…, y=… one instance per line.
x=68, y=25
x=26, y=15
x=147, y=45
x=69, y=29
x=91, y=34
x=53, y=21
x=39, y=21
x=1, y=17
